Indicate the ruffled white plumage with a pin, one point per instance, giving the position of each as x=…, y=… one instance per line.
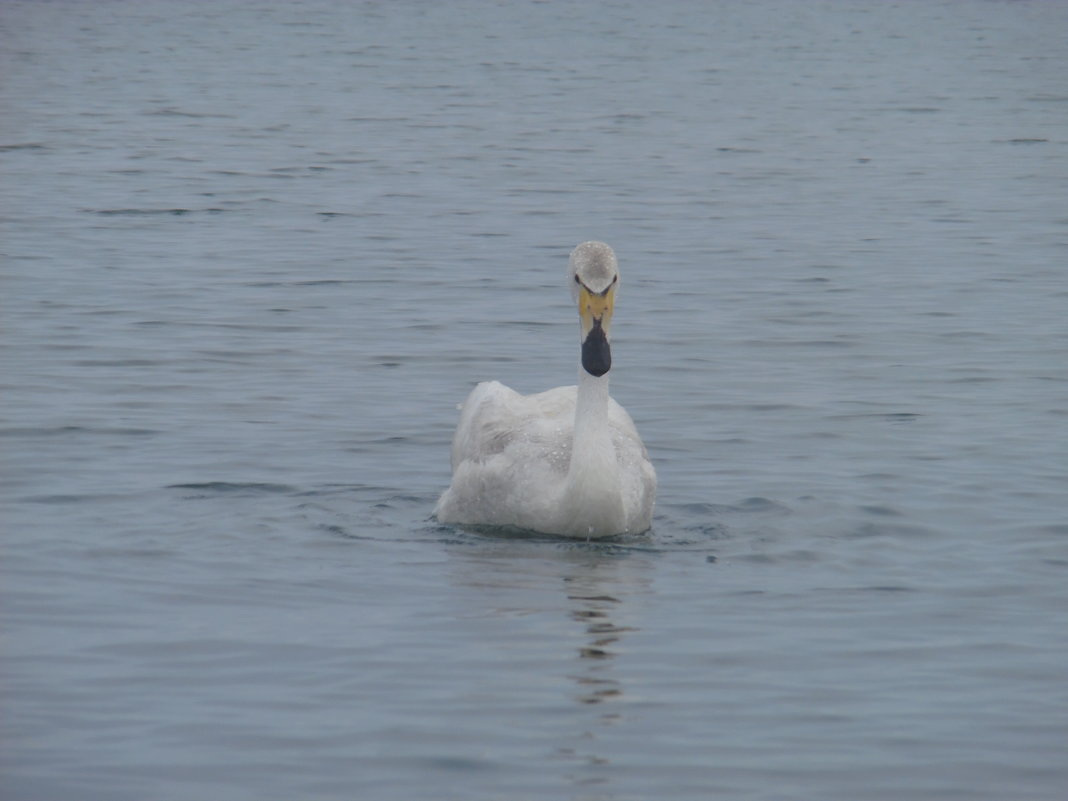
x=511, y=457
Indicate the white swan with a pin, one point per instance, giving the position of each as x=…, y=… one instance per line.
x=568, y=461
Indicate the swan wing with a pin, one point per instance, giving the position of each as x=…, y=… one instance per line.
x=509, y=457
x=496, y=419
x=636, y=471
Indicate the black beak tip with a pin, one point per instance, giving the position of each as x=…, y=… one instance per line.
x=596, y=353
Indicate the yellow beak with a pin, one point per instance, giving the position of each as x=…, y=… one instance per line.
x=596, y=307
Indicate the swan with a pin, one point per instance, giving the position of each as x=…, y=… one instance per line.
x=567, y=461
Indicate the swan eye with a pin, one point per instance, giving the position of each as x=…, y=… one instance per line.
x=577, y=281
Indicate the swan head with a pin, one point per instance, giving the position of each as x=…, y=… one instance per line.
x=594, y=278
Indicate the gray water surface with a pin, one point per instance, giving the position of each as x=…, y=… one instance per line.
x=254, y=255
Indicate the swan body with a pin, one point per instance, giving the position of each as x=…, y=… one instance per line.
x=568, y=461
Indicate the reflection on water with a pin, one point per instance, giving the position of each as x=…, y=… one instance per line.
x=596, y=583
x=595, y=613
x=597, y=685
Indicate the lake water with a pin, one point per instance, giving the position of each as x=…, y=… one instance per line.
x=254, y=256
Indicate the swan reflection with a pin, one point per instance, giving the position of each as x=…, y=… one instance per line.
x=571, y=607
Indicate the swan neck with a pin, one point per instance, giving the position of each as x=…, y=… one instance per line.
x=593, y=499
x=591, y=412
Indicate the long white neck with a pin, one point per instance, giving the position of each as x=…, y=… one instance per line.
x=593, y=496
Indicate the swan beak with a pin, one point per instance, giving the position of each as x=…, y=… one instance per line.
x=595, y=311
